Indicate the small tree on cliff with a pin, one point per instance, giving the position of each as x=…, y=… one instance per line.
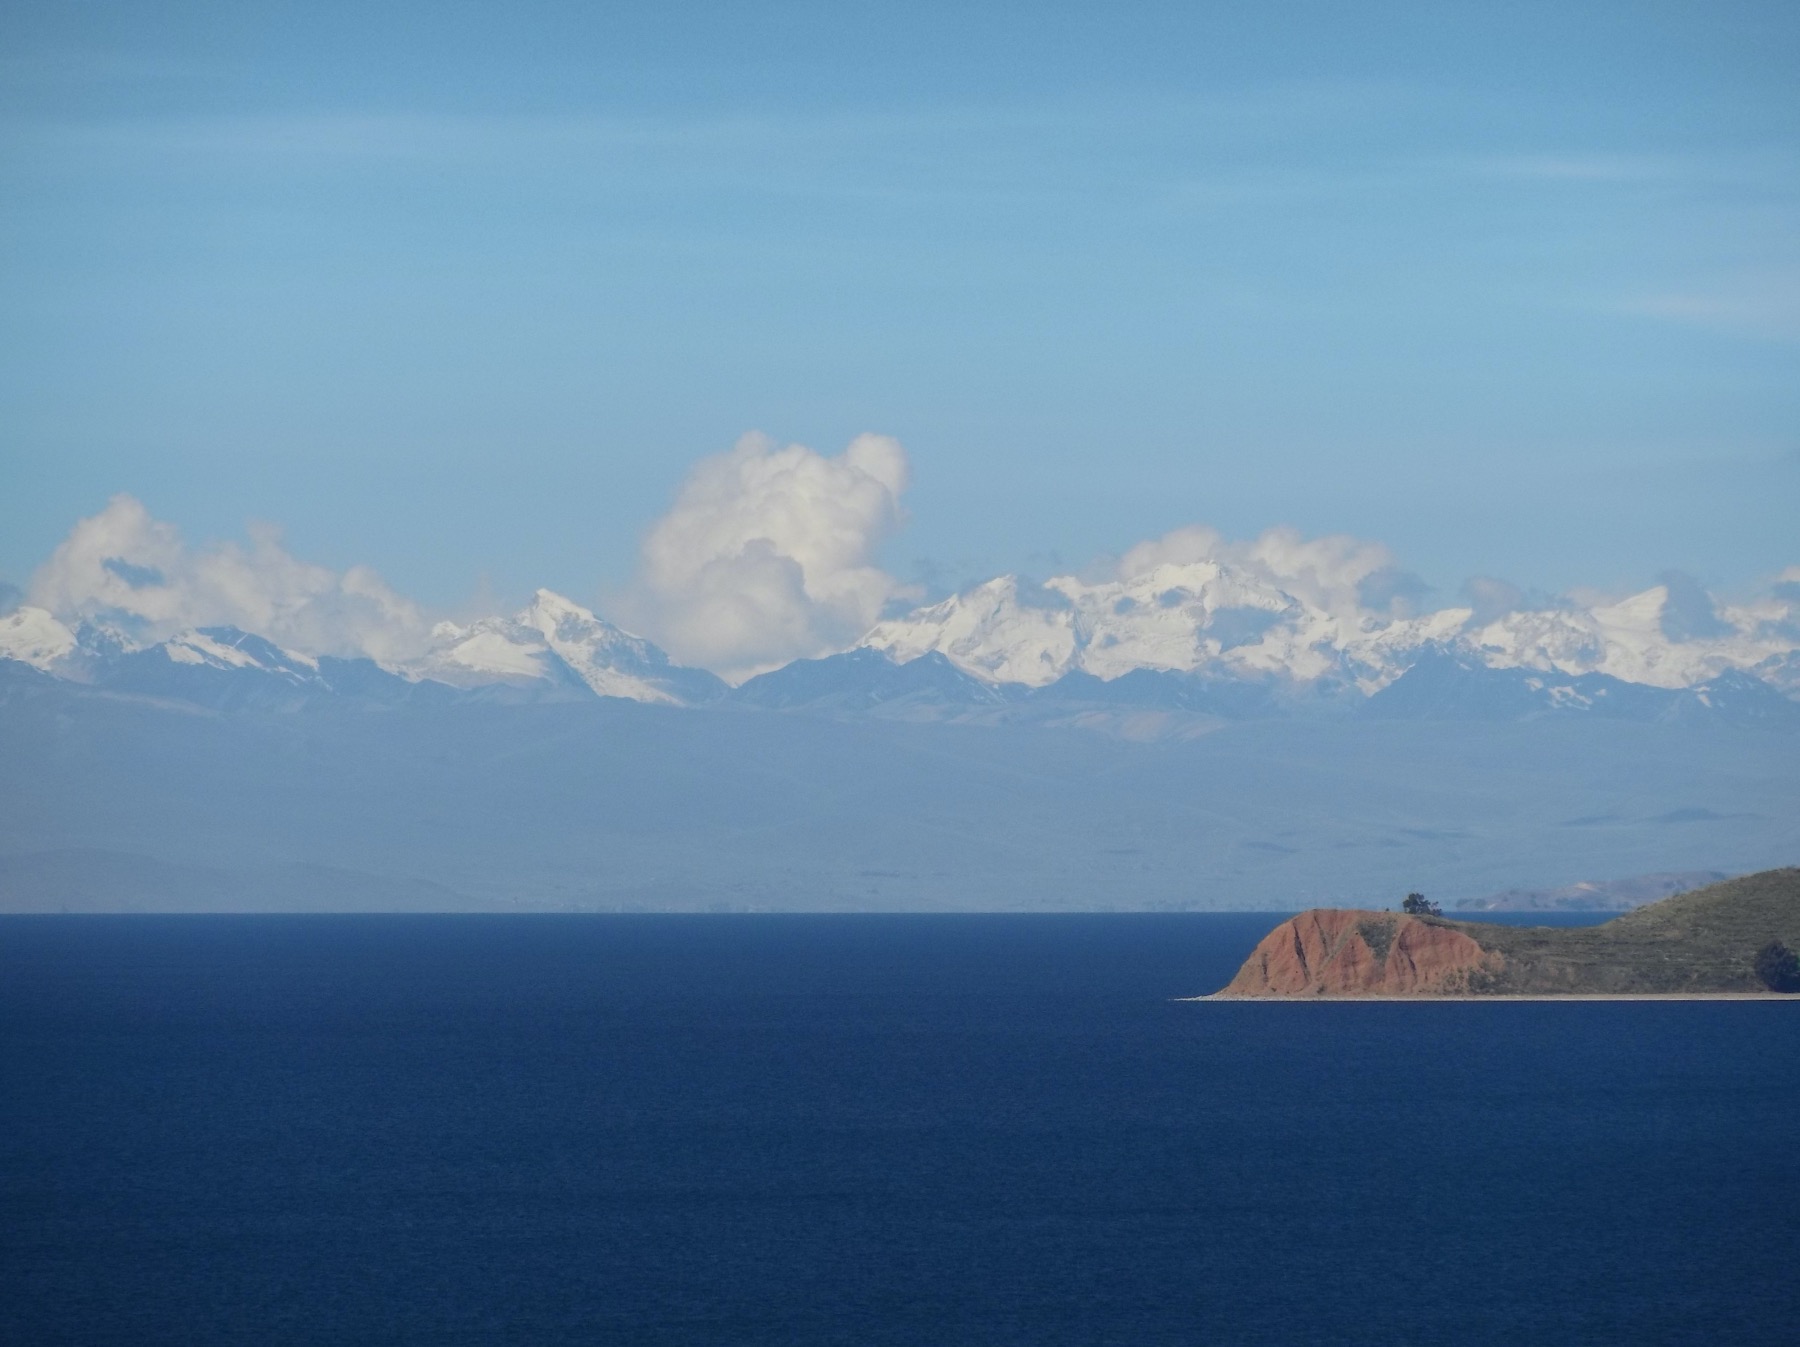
x=1777, y=967
x=1417, y=905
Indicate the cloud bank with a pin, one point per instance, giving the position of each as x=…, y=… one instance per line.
x=1337, y=573
x=126, y=569
x=766, y=555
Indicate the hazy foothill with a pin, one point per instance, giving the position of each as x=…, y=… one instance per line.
x=169, y=786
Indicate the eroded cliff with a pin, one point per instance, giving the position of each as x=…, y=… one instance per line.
x=1343, y=952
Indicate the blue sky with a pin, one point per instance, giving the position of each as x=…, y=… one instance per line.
x=462, y=292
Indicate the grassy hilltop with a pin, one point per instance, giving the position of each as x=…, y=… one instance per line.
x=1703, y=941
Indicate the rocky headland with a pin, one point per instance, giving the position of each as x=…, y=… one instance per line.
x=1706, y=942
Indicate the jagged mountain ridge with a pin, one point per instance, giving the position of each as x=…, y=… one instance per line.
x=864, y=679
x=552, y=649
x=1184, y=641
x=227, y=669
x=1232, y=623
x=1447, y=683
x=1204, y=617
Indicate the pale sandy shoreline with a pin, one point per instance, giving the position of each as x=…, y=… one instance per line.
x=1570, y=996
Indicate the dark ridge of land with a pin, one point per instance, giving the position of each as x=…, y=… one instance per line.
x=1703, y=941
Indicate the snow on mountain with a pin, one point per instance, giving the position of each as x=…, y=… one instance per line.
x=552, y=646
x=229, y=648
x=1206, y=616
x=1640, y=639
x=1780, y=671
x=1219, y=635
x=556, y=642
x=992, y=631
x=1740, y=697
x=108, y=655
x=1222, y=620
x=217, y=667
x=33, y=636
x=1446, y=684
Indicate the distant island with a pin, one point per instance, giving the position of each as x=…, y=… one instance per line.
x=1733, y=938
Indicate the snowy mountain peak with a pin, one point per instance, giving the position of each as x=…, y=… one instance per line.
x=993, y=631
x=567, y=626
x=230, y=648
x=554, y=641
x=1653, y=637
x=1205, y=616
x=548, y=610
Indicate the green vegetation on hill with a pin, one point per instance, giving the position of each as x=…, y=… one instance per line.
x=1704, y=941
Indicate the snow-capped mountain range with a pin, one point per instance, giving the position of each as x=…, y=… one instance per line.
x=551, y=648
x=1228, y=622
x=1203, y=637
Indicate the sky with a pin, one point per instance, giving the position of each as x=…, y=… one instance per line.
x=481, y=298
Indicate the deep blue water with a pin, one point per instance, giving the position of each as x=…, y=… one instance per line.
x=857, y=1130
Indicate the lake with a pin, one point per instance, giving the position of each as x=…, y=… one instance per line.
x=858, y=1130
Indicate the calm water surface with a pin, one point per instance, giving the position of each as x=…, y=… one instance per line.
x=857, y=1130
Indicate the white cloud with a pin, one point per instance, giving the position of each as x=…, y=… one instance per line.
x=129, y=569
x=1338, y=573
x=766, y=555
x=1489, y=599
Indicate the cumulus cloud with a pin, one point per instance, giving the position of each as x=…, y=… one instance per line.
x=1689, y=613
x=1489, y=599
x=767, y=555
x=128, y=569
x=1338, y=573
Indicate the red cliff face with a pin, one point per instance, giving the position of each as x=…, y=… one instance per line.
x=1334, y=952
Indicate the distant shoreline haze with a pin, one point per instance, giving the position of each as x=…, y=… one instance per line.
x=230, y=792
